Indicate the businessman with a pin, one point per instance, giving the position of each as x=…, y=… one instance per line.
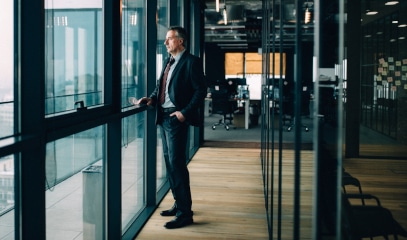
x=178, y=96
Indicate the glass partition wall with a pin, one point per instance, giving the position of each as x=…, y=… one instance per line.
x=301, y=186
x=383, y=82
x=75, y=157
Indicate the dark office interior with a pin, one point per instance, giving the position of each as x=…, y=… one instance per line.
x=304, y=133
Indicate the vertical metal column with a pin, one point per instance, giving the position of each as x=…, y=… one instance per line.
x=297, y=116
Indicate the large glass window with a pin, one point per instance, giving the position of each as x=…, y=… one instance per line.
x=133, y=169
x=7, y=197
x=133, y=127
x=6, y=69
x=73, y=55
x=383, y=82
x=133, y=54
x=162, y=26
x=75, y=186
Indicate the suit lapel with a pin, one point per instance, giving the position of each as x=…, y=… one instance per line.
x=178, y=66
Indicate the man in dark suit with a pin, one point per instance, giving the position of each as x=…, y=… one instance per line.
x=178, y=96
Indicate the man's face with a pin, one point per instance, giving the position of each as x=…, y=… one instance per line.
x=173, y=43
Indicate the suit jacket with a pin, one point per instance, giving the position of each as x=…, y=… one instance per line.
x=187, y=88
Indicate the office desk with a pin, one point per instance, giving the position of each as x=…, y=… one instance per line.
x=239, y=100
x=246, y=110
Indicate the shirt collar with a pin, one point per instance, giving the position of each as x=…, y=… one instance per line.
x=179, y=55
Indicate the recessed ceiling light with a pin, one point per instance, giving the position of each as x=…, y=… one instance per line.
x=394, y=21
x=388, y=3
x=402, y=25
x=371, y=12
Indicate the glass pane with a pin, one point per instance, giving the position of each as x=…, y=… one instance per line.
x=133, y=186
x=6, y=69
x=383, y=85
x=134, y=50
x=161, y=170
x=74, y=183
x=163, y=23
x=73, y=54
x=7, y=197
x=133, y=127
x=192, y=142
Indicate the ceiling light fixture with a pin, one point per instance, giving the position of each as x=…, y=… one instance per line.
x=225, y=15
x=389, y=3
x=368, y=10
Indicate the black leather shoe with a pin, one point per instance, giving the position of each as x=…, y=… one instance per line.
x=169, y=213
x=179, y=222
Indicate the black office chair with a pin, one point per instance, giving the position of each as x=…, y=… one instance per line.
x=222, y=104
x=349, y=180
x=368, y=221
x=288, y=109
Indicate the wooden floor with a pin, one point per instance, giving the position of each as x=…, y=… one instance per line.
x=228, y=200
x=227, y=195
x=385, y=179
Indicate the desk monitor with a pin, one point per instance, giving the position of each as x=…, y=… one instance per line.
x=238, y=81
x=233, y=84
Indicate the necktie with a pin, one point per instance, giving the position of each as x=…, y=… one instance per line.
x=164, y=80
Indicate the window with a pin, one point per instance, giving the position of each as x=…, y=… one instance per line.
x=7, y=196
x=163, y=23
x=133, y=184
x=73, y=55
x=6, y=69
x=75, y=185
x=133, y=54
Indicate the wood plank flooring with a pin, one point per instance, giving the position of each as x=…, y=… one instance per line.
x=227, y=194
x=228, y=200
x=385, y=179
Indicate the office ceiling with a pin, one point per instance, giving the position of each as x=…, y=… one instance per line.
x=244, y=23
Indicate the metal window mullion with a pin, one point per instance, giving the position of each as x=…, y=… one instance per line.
x=112, y=95
x=30, y=170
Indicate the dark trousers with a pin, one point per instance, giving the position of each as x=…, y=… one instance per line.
x=174, y=135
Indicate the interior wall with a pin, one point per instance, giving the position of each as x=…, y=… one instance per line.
x=214, y=63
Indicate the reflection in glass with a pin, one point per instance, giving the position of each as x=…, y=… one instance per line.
x=163, y=23
x=7, y=197
x=133, y=187
x=73, y=54
x=74, y=183
x=134, y=50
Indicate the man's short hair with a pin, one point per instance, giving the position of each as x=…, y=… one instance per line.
x=181, y=33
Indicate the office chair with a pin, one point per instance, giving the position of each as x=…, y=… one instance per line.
x=368, y=221
x=328, y=103
x=349, y=180
x=288, y=109
x=222, y=104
